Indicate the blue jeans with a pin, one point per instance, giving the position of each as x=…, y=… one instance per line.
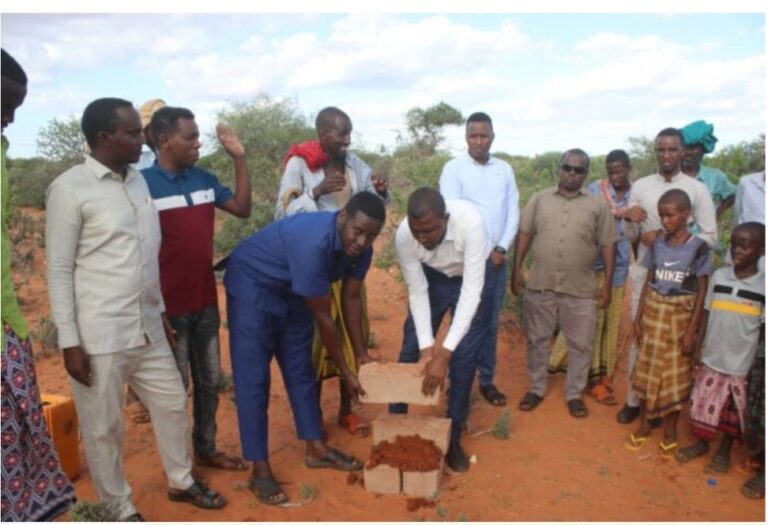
x=487, y=365
x=197, y=351
x=444, y=294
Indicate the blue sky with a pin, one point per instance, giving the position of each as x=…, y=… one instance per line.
x=550, y=81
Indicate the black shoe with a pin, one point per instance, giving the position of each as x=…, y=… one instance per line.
x=627, y=414
x=135, y=517
x=456, y=458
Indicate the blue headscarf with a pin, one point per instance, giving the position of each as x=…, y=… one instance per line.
x=699, y=132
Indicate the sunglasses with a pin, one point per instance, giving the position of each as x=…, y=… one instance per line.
x=578, y=170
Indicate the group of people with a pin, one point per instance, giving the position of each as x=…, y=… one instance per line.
x=133, y=296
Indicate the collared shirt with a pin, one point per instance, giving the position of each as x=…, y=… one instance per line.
x=750, y=199
x=566, y=232
x=717, y=183
x=102, y=242
x=186, y=202
x=462, y=252
x=298, y=177
x=646, y=193
x=10, y=305
x=491, y=187
x=293, y=258
x=736, y=312
x=621, y=262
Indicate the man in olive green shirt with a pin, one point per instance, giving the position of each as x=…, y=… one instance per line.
x=563, y=225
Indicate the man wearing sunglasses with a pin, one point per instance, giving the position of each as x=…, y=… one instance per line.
x=563, y=226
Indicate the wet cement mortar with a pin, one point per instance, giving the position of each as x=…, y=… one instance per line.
x=407, y=453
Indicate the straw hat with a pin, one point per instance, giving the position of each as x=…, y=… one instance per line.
x=148, y=109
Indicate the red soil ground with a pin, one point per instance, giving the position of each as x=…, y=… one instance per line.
x=552, y=467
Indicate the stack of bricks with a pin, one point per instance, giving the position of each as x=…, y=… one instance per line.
x=401, y=383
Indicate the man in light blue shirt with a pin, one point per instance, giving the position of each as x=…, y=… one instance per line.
x=489, y=183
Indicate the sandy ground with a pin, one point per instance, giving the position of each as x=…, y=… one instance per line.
x=552, y=467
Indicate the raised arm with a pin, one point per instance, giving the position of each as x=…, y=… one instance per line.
x=240, y=204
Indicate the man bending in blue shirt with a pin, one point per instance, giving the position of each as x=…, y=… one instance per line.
x=278, y=287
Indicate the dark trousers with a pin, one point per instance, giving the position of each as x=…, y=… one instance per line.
x=444, y=295
x=255, y=337
x=486, y=368
x=197, y=354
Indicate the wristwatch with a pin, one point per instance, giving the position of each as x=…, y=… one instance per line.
x=500, y=250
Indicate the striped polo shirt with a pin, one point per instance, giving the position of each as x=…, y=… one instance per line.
x=186, y=202
x=736, y=312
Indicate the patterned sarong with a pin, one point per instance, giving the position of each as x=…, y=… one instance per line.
x=662, y=374
x=34, y=486
x=324, y=365
x=604, y=349
x=755, y=434
x=718, y=402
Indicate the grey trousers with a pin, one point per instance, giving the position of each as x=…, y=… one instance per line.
x=542, y=311
x=151, y=372
x=637, y=276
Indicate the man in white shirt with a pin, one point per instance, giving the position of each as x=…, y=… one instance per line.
x=489, y=183
x=750, y=199
x=642, y=223
x=103, y=242
x=443, y=248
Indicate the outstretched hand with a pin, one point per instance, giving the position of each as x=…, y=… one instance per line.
x=230, y=141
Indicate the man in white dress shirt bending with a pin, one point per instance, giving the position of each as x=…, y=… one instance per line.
x=443, y=247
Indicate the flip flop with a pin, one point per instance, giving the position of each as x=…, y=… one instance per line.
x=754, y=487
x=199, y=495
x=577, y=408
x=635, y=443
x=603, y=394
x=667, y=449
x=493, y=395
x=354, y=425
x=718, y=465
x=221, y=460
x=265, y=489
x=529, y=402
x=698, y=449
x=335, y=460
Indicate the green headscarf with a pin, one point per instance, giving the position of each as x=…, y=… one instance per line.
x=699, y=132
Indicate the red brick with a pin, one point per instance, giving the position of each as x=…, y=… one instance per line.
x=387, y=426
x=382, y=479
x=423, y=484
x=394, y=383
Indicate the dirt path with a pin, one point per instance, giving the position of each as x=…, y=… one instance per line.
x=553, y=467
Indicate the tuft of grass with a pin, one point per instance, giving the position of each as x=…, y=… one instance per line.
x=441, y=511
x=462, y=517
x=501, y=427
x=307, y=492
x=90, y=511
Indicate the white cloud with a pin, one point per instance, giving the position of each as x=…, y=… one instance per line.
x=542, y=96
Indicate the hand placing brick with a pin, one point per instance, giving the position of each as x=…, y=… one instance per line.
x=394, y=383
